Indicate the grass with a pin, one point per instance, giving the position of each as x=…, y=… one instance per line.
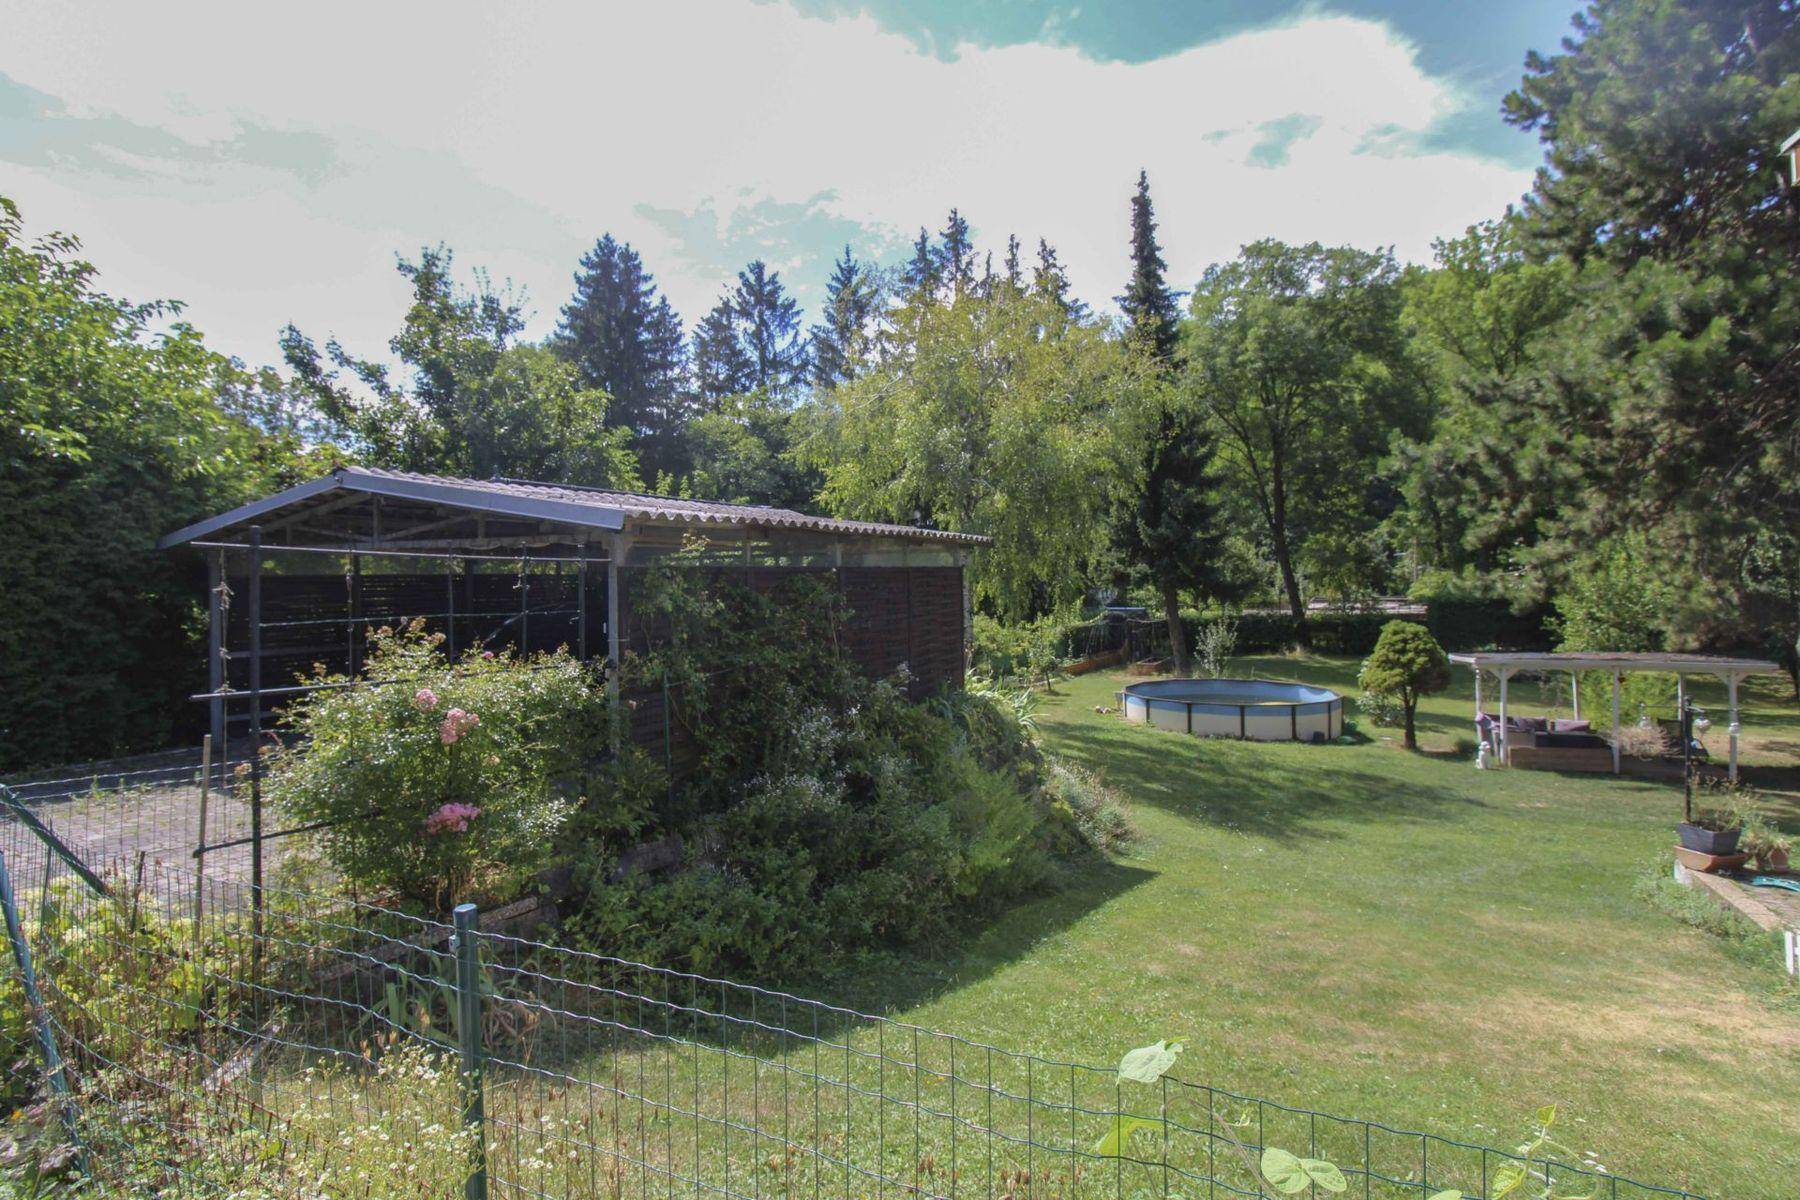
x=1399, y=937
x=1349, y=928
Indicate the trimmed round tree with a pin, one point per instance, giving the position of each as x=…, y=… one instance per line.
x=1406, y=663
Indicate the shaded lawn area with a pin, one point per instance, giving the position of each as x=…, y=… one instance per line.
x=1402, y=938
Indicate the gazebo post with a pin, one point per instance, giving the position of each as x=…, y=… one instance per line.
x=1731, y=692
x=1505, y=735
x=1615, y=716
x=1575, y=691
x=1477, y=666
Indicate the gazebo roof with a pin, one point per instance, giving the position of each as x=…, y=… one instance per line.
x=1621, y=660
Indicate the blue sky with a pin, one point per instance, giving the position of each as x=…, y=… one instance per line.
x=266, y=169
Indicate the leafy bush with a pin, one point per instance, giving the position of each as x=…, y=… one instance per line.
x=1382, y=709
x=1214, y=644
x=1028, y=650
x=824, y=813
x=435, y=779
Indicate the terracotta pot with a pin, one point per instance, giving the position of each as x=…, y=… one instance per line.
x=1774, y=861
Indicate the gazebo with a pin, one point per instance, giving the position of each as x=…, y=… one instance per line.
x=1506, y=664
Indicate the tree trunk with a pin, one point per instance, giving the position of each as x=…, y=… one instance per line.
x=1178, y=646
x=1284, y=557
x=1412, y=738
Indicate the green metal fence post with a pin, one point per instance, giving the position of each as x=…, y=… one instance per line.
x=468, y=1021
x=51, y=842
x=40, y=1019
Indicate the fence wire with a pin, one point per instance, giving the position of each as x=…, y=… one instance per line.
x=341, y=1053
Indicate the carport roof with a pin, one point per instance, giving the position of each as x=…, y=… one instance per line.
x=561, y=504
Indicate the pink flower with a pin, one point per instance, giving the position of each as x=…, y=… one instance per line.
x=451, y=818
x=456, y=723
x=487, y=654
x=425, y=699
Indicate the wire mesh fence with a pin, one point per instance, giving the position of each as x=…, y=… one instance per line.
x=349, y=1050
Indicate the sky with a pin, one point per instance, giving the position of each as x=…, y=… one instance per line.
x=265, y=164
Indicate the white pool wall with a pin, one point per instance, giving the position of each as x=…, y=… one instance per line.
x=1281, y=712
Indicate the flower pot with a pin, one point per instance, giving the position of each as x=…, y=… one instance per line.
x=1708, y=841
x=1775, y=862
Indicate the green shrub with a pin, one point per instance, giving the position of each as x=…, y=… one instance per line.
x=825, y=814
x=435, y=780
x=1028, y=650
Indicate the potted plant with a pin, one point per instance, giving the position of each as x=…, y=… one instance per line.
x=1713, y=831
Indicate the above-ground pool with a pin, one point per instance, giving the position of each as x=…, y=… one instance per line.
x=1260, y=709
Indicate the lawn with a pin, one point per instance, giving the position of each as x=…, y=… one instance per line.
x=1402, y=938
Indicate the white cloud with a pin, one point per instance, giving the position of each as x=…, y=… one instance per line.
x=520, y=133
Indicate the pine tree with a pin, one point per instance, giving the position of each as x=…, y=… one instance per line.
x=623, y=337
x=958, y=254
x=721, y=368
x=1148, y=304
x=924, y=272
x=769, y=326
x=842, y=339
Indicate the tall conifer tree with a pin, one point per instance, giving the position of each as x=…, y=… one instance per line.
x=923, y=273
x=622, y=336
x=721, y=368
x=958, y=255
x=769, y=324
x=1148, y=304
x=842, y=338
x=1168, y=526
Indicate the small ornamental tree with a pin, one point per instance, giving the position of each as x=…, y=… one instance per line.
x=1406, y=663
x=435, y=781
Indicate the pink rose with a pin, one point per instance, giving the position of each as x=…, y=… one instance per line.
x=456, y=723
x=425, y=699
x=487, y=654
x=451, y=818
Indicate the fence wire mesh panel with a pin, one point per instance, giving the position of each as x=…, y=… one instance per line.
x=353, y=1051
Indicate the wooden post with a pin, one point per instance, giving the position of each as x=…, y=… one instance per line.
x=358, y=635
x=1575, y=691
x=1615, y=725
x=450, y=607
x=524, y=604
x=1731, y=693
x=581, y=605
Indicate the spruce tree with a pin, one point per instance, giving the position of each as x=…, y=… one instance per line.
x=721, y=368
x=1168, y=526
x=623, y=337
x=923, y=273
x=842, y=339
x=768, y=321
x=958, y=254
x=1015, y=272
x=1148, y=304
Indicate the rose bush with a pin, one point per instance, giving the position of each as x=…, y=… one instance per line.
x=438, y=780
